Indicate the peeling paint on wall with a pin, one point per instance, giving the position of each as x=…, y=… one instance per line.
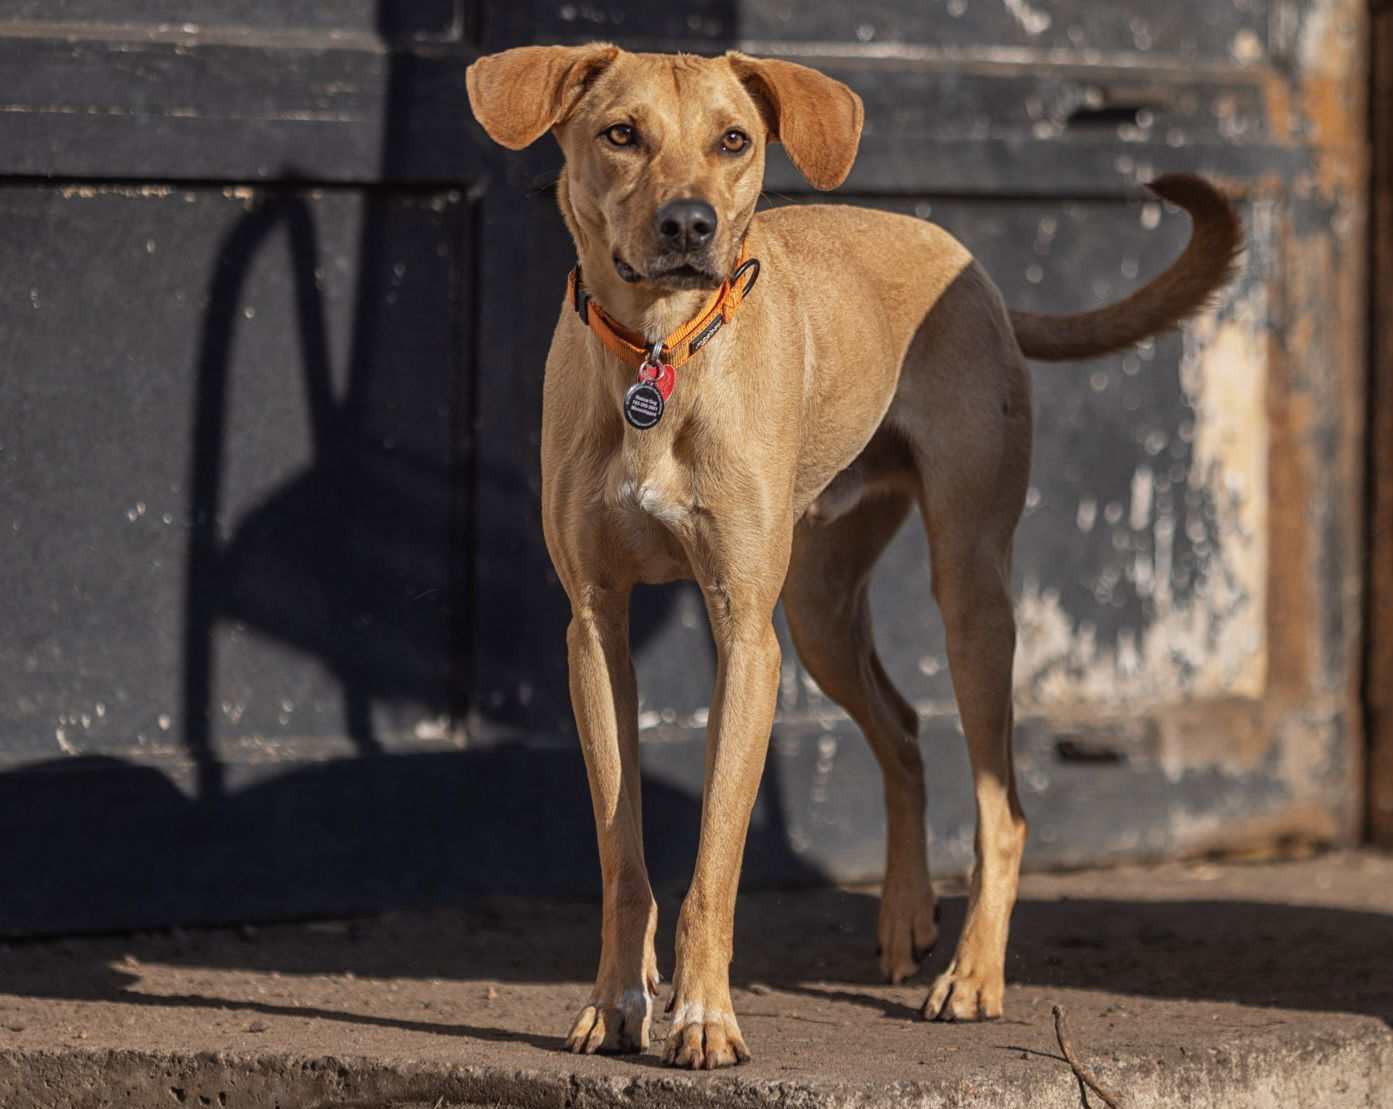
x=1206, y=639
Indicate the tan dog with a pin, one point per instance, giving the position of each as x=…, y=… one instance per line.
x=873, y=368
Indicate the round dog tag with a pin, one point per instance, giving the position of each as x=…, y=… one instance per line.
x=643, y=405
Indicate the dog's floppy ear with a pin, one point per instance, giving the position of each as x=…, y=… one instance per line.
x=816, y=118
x=521, y=94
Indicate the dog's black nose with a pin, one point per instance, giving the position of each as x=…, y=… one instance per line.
x=685, y=224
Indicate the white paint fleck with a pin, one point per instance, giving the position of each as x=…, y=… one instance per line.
x=788, y=685
x=1143, y=490
x=428, y=729
x=1246, y=48
x=1087, y=514
x=1314, y=45
x=822, y=769
x=1032, y=21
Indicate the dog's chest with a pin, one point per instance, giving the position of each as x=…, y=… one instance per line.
x=652, y=502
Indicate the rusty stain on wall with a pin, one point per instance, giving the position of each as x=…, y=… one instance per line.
x=1378, y=676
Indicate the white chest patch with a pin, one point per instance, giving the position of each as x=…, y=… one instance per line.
x=653, y=514
x=658, y=504
x=653, y=498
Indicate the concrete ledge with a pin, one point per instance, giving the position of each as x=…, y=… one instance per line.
x=1233, y=986
x=1329, y=1071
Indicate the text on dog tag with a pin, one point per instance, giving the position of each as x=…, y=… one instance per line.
x=643, y=405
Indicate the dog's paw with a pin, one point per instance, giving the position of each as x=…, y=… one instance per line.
x=908, y=929
x=617, y=1025
x=958, y=995
x=704, y=1037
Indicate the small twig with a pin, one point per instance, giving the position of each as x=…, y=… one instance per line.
x=1081, y=1072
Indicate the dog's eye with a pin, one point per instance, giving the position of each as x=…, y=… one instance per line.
x=732, y=142
x=621, y=134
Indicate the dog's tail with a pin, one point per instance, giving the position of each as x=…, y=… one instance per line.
x=1209, y=262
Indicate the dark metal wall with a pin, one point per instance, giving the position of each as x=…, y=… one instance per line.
x=280, y=633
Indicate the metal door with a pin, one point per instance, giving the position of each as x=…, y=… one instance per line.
x=281, y=635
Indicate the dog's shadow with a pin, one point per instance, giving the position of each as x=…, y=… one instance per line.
x=1300, y=957
x=817, y=943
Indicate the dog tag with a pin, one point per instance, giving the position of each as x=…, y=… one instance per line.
x=643, y=405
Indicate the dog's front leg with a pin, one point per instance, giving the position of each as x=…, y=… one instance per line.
x=604, y=696
x=704, y=1031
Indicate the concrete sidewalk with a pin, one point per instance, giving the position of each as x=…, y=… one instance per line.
x=1226, y=985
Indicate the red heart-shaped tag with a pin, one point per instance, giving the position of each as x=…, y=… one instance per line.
x=663, y=377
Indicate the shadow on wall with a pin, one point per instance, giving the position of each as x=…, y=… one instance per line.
x=364, y=562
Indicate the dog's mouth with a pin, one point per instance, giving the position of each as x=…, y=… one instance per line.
x=683, y=275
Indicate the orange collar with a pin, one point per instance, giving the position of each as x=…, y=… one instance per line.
x=630, y=347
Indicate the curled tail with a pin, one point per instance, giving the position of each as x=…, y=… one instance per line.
x=1208, y=263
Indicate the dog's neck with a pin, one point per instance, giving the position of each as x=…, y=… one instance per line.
x=652, y=312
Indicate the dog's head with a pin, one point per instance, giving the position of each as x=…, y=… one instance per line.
x=665, y=152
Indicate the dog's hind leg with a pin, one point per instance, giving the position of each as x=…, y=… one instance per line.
x=605, y=698
x=825, y=600
x=964, y=408
x=972, y=586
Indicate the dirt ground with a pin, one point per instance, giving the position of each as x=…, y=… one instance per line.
x=1176, y=978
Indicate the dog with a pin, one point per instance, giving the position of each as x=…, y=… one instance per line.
x=756, y=400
